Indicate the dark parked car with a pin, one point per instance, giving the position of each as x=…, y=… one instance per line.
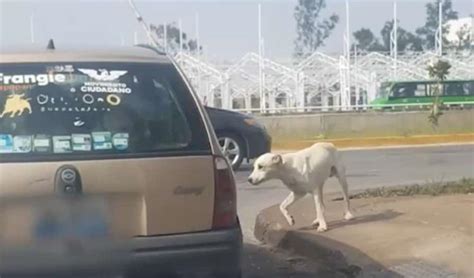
x=240, y=136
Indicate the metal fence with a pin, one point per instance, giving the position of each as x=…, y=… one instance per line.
x=320, y=82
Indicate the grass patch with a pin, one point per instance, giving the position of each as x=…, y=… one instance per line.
x=463, y=186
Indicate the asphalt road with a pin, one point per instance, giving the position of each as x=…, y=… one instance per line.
x=365, y=169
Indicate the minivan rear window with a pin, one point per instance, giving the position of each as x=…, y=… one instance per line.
x=89, y=110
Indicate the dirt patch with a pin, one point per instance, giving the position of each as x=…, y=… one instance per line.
x=377, y=141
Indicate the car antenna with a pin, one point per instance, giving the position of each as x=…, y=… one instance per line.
x=50, y=45
x=145, y=26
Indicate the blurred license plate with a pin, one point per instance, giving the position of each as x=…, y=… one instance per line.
x=71, y=218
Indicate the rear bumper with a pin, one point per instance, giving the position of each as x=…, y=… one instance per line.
x=203, y=252
x=210, y=252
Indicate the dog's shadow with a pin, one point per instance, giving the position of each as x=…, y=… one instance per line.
x=382, y=216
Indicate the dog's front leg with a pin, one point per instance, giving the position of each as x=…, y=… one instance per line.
x=320, y=220
x=284, y=207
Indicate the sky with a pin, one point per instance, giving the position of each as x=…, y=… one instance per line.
x=227, y=28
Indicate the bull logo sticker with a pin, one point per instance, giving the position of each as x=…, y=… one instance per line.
x=16, y=105
x=103, y=74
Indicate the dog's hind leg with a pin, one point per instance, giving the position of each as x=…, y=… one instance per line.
x=319, y=207
x=286, y=203
x=341, y=176
x=318, y=202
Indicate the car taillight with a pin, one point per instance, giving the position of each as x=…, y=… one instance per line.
x=225, y=203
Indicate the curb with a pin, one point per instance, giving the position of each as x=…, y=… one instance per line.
x=407, y=146
x=387, y=147
x=273, y=234
x=328, y=253
x=382, y=142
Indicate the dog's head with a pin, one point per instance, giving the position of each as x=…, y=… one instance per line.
x=266, y=167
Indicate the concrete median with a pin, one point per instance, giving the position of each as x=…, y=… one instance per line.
x=369, y=129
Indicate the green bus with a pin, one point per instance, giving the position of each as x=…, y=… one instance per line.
x=419, y=93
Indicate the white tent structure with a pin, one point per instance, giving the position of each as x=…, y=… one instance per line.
x=460, y=30
x=320, y=82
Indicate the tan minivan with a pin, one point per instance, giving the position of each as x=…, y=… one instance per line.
x=110, y=148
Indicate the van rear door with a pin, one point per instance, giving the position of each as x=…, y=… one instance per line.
x=132, y=131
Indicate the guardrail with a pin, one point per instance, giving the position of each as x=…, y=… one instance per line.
x=355, y=108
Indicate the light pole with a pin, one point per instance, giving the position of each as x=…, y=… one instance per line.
x=180, y=25
x=32, y=28
x=165, y=37
x=261, y=77
x=346, y=91
x=394, y=41
x=439, y=32
x=198, y=45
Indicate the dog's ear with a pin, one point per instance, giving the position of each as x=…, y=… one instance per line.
x=276, y=159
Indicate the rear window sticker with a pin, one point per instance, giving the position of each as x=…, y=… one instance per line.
x=42, y=99
x=102, y=140
x=103, y=74
x=22, y=143
x=62, y=144
x=61, y=68
x=42, y=143
x=113, y=100
x=6, y=143
x=16, y=105
x=104, y=81
x=88, y=99
x=101, y=87
x=14, y=88
x=81, y=142
x=38, y=79
x=68, y=68
x=120, y=141
x=78, y=122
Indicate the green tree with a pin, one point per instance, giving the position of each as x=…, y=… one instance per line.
x=172, y=35
x=366, y=41
x=428, y=31
x=312, y=31
x=407, y=41
x=439, y=72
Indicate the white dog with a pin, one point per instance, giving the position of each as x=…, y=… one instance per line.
x=304, y=172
